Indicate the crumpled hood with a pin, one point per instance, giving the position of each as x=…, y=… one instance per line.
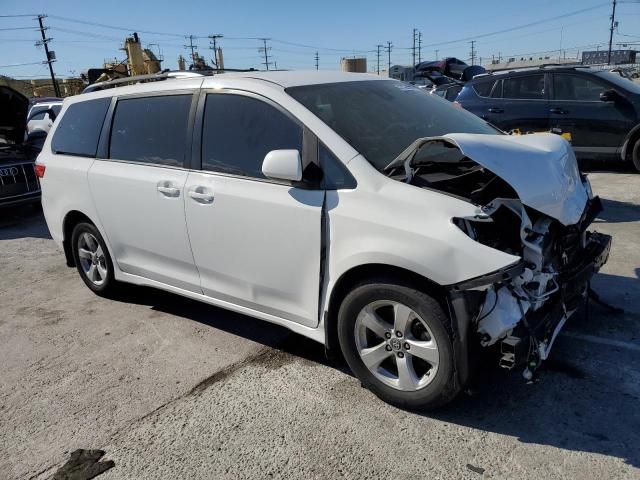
x=541, y=168
x=13, y=115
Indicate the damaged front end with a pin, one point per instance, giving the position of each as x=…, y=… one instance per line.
x=532, y=202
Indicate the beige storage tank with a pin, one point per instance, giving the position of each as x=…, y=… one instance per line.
x=357, y=65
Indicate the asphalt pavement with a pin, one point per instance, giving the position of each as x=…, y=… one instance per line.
x=171, y=388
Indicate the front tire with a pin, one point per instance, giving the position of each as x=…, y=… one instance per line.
x=92, y=259
x=398, y=341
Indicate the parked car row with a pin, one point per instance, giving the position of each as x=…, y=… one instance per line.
x=598, y=111
x=340, y=206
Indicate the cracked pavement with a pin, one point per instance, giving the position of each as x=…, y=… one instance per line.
x=171, y=388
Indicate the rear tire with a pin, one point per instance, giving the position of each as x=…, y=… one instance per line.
x=398, y=341
x=92, y=259
x=635, y=155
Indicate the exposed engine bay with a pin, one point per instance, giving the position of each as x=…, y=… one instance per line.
x=533, y=203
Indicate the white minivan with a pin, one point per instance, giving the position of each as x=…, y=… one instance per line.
x=358, y=211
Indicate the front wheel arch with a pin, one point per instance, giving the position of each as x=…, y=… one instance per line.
x=356, y=275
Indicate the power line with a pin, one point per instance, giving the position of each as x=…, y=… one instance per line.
x=214, y=46
x=21, y=64
x=614, y=24
x=192, y=47
x=520, y=27
x=413, y=52
x=388, y=49
x=51, y=57
x=264, y=49
x=17, y=28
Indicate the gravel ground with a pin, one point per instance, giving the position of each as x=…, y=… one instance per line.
x=171, y=388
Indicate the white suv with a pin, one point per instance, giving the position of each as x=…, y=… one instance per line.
x=342, y=206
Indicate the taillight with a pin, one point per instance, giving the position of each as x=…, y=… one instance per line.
x=39, y=169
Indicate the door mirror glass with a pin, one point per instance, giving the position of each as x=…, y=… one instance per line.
x=609, y=96
x=283, y=165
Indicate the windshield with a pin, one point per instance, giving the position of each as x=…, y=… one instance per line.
x=382, y=118
x=625, y=83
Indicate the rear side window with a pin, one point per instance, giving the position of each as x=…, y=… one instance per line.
x=79, y=128
x=239, y=131
x=530, y=87
x=483, y=89
x=151, y=130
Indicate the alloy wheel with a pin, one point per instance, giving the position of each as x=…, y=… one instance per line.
x=396, y=345
x=92, y=258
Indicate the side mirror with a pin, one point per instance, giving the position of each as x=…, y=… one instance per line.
x=609, y=96
x=283, y=165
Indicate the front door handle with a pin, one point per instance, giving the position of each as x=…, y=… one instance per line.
x=495, y=110
x=558, y=111
x=201, y=195
x=168, y=190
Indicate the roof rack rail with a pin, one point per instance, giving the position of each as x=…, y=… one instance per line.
x=157, y=77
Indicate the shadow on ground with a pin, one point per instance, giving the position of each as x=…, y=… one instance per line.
x=22, y=222
x=615, y=211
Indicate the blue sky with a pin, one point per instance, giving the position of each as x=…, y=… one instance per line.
x=300, y=28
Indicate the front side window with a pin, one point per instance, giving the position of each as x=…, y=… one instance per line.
x=380, y=118
x=151, y=130
x=574, y=87
x=79, y=128
x=239, y=131
x=530, y=87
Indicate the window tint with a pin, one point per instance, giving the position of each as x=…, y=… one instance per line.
x=574, y=87
x=239, y=131
x=151, y=130
x=483, y=88
x=530, y=87
x=79, y=128
x=335, y=174
x=38, y=116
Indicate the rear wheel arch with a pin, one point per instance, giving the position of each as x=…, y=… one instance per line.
x=71, y=219
x=356, y=275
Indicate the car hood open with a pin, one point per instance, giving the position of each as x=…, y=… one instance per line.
x=541, y=168
x=13, y=115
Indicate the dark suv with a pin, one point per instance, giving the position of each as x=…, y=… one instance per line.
x=600, y=111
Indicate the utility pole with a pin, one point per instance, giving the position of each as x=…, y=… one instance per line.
x=379, y=47
x=317, y=58
x=437, y=54
x=388, y=49
x=51, y=56
x=473, y=52
x=613, y=26
x=419, y=47
x=214, y=46
x=414, y=47
x=265, y=50
x=193, y=51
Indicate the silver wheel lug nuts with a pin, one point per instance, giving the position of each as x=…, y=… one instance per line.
x=406, y=346
x=400, y=354
x=387, y=335
x=398, y=334
x=388, y=348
